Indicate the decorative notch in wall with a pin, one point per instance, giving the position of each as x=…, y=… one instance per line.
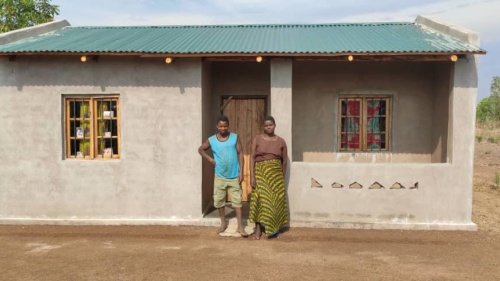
x=315, y=184
x=376, y=185
x=337, y=185
x=415, y=186
x=397, y=185
x=355, y=185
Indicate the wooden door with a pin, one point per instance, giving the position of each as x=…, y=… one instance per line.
x=245, y=119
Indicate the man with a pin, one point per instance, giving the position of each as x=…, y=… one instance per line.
x=228, y=160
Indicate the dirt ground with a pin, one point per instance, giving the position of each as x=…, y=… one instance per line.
x=197, y=253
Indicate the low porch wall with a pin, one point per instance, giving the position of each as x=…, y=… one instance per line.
x=441, y=200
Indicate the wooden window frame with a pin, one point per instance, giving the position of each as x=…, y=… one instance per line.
x=95, y=115
x=363, y=123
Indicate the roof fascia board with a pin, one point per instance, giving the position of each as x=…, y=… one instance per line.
x=358, y=57
x=252, y=55
x=32, y=31
x=454, y=31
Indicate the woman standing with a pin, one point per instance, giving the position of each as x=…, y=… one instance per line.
x=268, y=207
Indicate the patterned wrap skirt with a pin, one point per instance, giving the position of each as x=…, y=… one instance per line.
x=268, y=202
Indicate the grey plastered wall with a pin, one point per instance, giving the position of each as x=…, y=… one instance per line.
x=441, y=112
x=239, y=79
x=412, y=86
x=159, y=173
x=208, y=129
x=282, y=100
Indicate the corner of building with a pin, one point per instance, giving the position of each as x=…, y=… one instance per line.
x=449, y=29
x=32, y=31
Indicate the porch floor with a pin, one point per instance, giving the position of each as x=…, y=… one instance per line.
x=231, y=218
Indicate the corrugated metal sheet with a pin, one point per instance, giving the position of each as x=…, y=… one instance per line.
x=245, y=39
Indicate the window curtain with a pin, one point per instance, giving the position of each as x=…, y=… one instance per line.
x=350, y=139
x=373, y=135
x=102, y=125
x=85, y=124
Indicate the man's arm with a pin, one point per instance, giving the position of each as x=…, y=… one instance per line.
x=202, y=150
x=239, y=149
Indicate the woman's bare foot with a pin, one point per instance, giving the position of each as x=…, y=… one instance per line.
x=256, y=236
x=257, y=232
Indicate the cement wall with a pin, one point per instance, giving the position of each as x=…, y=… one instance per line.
x=208, y=126
x=441, y=112
x=412, y=86
x=144, y=184
x=434, y=195
x=239, y=79
x=160, y=128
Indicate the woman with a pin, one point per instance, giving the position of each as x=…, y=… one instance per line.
x=268, y=207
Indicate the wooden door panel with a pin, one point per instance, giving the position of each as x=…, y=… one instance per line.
x=245, y=119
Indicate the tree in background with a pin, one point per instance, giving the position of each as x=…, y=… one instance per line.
x=495, y=87
x=15, y=14
x=488, y=109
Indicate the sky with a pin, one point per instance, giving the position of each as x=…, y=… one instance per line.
x=481, y=16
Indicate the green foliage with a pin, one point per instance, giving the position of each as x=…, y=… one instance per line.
x=15, y=14
x=484, y=110
x=488, y=109
x=479, y=138
x=494, y=139
x=495, y=87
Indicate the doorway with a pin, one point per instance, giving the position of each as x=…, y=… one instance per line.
x=246, y=115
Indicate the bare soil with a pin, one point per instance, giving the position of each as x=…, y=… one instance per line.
x=198, y=253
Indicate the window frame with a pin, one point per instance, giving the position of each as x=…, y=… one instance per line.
x=93, y=120
x=363, y=122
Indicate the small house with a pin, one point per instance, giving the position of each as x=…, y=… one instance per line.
x=101, y=125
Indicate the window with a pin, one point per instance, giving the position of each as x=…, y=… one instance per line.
x=92, y=127
x=364, y=124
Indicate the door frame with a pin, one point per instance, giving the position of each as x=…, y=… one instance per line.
x=223, y=105
x=242, y=97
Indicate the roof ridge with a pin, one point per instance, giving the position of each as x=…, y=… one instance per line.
x=245, y=25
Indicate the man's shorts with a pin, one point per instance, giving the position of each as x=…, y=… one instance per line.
x=221, y=186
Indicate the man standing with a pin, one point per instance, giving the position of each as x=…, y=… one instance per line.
x=228, y=160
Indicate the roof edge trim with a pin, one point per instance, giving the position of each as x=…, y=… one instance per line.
x=32, y=31
x=240, y=54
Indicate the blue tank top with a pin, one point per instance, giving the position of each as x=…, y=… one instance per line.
x=226, y=156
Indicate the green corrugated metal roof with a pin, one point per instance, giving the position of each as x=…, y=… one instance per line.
x=288, y=39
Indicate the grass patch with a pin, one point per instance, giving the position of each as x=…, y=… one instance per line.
x=497, y=180
x=494, y=139
x=488, y=132
x=488, y=125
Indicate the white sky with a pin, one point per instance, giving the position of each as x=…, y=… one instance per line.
x=482, y=16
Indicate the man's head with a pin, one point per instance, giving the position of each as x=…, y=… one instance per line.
x=223, y=125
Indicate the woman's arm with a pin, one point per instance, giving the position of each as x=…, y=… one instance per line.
x=239, y=150
x=284, y=158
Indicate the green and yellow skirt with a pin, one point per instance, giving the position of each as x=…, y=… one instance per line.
x=268, y=202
